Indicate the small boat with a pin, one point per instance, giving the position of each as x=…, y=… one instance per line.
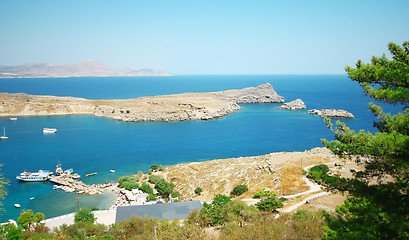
x=49, y=130
x=75, y=176
x=58, y=170
x=4, y=134
x=13, y=118
x=90, y=174
x=40, y=176
x=31, y=198
x=17, y=205
x=112, y=171
x=68, y=171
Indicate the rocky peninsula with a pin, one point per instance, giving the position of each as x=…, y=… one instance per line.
x=179, y=107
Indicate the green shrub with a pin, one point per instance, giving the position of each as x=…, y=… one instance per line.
x=175, y=194
x=27, y=219
x=322, y=168
x=130, y=185
x=9, y=231
x=151, y=197
x=270, y=204
x=164, y=188
x=154, y=179
x=161, y=168
x=263, y=194
x=84, y=215
x=146, y=188
x=239, y=190
x=198, y=190
x=154, y=167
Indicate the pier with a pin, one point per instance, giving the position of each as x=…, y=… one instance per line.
x=81, y=187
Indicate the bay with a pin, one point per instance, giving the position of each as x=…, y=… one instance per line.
x=90, y=144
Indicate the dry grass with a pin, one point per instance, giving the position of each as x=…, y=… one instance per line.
x=276, y=172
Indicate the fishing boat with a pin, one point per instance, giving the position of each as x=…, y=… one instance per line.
x=49, y=130
x=4, y=134
x=90, y=174
x=40, y=176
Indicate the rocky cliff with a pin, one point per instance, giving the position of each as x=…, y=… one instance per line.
x=261, y=94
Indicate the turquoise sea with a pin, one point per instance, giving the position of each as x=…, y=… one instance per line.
x=90, y=144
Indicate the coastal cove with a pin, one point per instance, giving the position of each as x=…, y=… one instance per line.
x=91, y=144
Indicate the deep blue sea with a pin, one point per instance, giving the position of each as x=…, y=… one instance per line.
x=91, y=144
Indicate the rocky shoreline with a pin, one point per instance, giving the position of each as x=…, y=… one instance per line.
x=179, y=107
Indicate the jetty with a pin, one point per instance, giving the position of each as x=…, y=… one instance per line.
x=81, y=187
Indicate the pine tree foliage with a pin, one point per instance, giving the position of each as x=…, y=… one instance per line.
x=383, y=186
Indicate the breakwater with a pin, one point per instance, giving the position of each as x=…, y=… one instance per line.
x=81, y=187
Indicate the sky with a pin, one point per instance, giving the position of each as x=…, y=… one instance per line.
x=202, y=37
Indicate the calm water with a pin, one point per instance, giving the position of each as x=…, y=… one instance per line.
x=89, y=144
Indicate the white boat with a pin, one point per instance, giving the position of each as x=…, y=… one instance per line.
x=112, y=171
x=4, y=134
x=13, y=118
x=40, y=176
x=75, y=176
x=17, y=205
x=49, y=130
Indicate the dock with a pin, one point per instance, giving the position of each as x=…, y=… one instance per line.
x=81, y=187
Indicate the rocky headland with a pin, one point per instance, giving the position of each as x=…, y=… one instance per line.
x=297, y=104
x=179, y=107
x=264, y=93
x=332, y=113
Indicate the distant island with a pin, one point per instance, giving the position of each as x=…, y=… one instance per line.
x=88, y=68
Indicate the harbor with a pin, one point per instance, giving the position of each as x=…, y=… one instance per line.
x=82, y=188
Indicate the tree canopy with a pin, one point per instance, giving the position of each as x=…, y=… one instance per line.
x=379, y=193
x=84, y=215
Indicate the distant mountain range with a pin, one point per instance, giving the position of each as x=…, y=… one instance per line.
x=88, y=68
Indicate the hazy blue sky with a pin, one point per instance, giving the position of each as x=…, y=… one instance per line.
x=202, y=37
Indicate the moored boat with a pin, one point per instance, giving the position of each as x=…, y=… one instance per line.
x=75, y=176
x=4, y=134
x=17, y=205
x=49, y=130
x=90, y=174
x=13, y=118
x=40, y=176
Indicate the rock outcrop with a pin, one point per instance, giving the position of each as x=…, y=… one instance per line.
x=297, y=104
x=332, y=113
x=261, y=94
